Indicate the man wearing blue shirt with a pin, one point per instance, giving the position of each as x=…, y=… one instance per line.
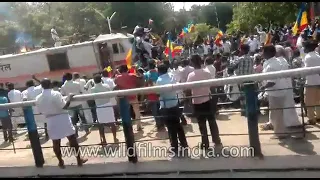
x=169, y=109
x=5, y=121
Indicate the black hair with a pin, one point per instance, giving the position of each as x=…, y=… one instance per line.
x=209, y=60
x=310, y=45
x=196, y=61
x=46, y=83
x=162, y=69
x=123, y=69
x=68, y=76
x=104, y=73
x=55, y=84
x=97, y=79
x=175, y=64
x=185, y=62
x=269, y=51
x=245, y=48
x=29, y=83
x=152, y=64
x=230, y=70
x=76, y=75
x=10, y=86
x=296, y=53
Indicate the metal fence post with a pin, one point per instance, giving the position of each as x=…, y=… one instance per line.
x=251, y=98
x=127, y=129
x=33, y=136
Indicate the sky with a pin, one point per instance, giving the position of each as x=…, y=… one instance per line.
x=179, y=5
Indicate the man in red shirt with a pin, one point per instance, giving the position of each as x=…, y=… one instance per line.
x=127, y=80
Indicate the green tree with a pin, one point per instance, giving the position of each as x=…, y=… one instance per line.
x=246, y=15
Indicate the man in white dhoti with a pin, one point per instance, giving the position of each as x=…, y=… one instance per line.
x=52, y=105
x=276, y=97
x=113, y=101
x=291, y=118
x=105, y=112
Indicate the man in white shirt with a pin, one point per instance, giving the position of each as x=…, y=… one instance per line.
x=82, y=82
x=226, y=46
x=262, y=34
x=187, y=69
x=104, y=111
x=291, y=118
x=32, y=91
x=52, y=105
x=30, y=94
x=254, y=45
x=312, y=90
x=276, y=97
x=210, y=67
x=113, y=101
x=15, y=96
x=72, y=87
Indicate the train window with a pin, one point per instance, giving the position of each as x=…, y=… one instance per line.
x=58, y=61
x=115, y=48
x=121, y=48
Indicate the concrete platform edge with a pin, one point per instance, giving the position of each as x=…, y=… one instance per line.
x=275, y=163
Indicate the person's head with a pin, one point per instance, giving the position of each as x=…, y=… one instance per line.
x=167, y=63
x=287, y=44
x=30, y=83
x=280, y=51
x=1, y=86
x=257, y=59
x=218, y=56
x=208, y=61
x=268, y=51
x=68, y=76
x=123, y=69
x=310, y=45
x=104, y=73
x=296, y=53
x=97, y=79
x=185, y=62
x=244, y=48
x=85, y=77
x=54, y=27
x=251, y=37
x=46, y=83
x=162, y=69
x=175, y=64
x=230, y=71
x=55, y=84
x=10, y=86
x=152, y=64
x=196, y=61
x=76, y=75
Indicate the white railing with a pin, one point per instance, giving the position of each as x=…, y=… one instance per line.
x=301, y=72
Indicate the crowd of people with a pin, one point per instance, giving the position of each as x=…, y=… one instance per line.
x=231, y=58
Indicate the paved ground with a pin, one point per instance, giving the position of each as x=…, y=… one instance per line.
x=293, y=150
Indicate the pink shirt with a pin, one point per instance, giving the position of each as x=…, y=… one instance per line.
x=198, y=75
